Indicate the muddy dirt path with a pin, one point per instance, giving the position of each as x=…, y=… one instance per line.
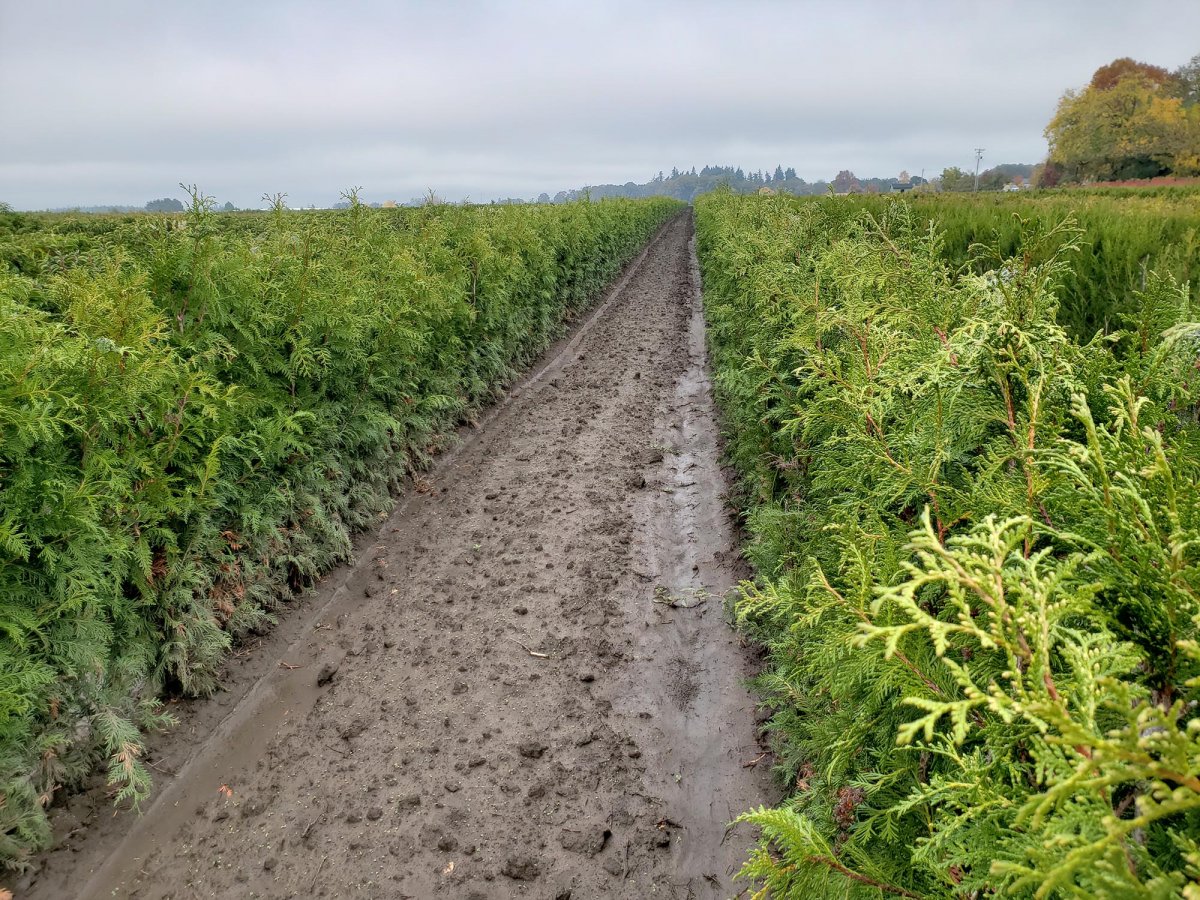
x=526, y=687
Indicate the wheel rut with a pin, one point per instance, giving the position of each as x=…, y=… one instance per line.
x=526, y=686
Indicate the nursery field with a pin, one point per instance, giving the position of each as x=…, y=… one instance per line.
x=967, y=431
x=1125, y=234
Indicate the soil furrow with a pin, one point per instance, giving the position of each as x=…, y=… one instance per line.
x=526, y=687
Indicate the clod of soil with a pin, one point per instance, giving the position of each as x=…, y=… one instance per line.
x=532, y=749
x=521, y=868
x=326, y=674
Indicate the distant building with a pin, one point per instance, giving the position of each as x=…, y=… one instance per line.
x=903, y=183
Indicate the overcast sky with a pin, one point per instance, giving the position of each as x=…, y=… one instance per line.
x=118, y=101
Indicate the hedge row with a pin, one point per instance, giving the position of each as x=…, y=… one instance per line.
x=1125, y=235
x=196, y=413
x=978, y=552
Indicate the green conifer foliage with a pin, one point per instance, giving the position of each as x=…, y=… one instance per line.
x=1125, y=234
x=196, y=413
x=978, y=547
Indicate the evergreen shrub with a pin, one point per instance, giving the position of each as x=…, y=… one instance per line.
x=977, y=544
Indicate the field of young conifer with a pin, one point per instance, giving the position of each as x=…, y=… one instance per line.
x=969, y=442
x=196, y=413
x=1125, y=234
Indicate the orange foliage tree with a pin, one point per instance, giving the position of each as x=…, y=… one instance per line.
x=1133, y=120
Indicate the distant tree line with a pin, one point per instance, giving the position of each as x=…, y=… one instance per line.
x=163, y=204
x=170, y=204
x=994, y=179
x=687, y=185
x=166, y=204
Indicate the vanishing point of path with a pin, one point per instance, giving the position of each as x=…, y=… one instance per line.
x=526, y=687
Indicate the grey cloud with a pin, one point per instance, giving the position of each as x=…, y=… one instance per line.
x=116, y=102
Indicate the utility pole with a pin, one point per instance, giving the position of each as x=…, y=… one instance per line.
x=978, y=157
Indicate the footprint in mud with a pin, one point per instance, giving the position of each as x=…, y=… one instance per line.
x=681, y=681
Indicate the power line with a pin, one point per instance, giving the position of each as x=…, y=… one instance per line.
x=978, y=157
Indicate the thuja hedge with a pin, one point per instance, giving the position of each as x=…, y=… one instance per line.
x=1126, y=235
x=977, y=545
x=196, y=413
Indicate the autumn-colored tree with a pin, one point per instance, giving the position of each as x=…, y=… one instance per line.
x=1047, y=174
x=1106, y=77
x=846, y=183
x=1129, y=122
